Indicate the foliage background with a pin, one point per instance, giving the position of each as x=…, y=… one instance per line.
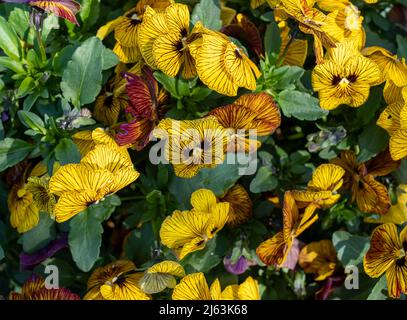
x=34, y=93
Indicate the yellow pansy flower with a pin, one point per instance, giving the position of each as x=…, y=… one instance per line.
x=191, y=145
x=258, y=112
x=274, y=251
x=221, y=64
x=397, y=213
x=297, y=50
x=369, y=194
x=86, y=140
x=345, y=77
x=195, y=287
x=126, y=30
x=388, y=254
x=189, y=231
x=164, y=38
x=346, y=23
x=392, y=93
x=318, y=258
x=116, y=281
x=323, y=188
x=103, y=171
x=240, y=205
x=311, y=21
x=24, y=214
x=392, y=67
x=42, y=197
x=248, y=290
x=111, y=101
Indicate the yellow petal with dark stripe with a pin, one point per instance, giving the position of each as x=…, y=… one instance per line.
x=192, y=287
x=384, y=247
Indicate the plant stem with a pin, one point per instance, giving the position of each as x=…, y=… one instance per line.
x=41, y=45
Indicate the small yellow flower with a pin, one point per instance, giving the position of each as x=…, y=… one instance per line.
x=297, y=51
x=345, y=77
x=189, y=231
x=346, y=23
x=104, y=170
x=221, y=64
x=116, y=281
x=195, y=287
x=191, y=145
x=388, y=254
x=397, y=213
x=126, y=30
x=24, y=214
x=392, y=67
x=274, y=251
x=369, y=194
x=322, y=190
x=318, y=258
x=42, y=197
x=257, y=112
x=311, y=21
x=240, y=205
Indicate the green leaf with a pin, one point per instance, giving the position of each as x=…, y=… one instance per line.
x=1, y=253
x=33, y=59
x=177, y=87
x=263, y=181
x=401, y=46
x=155, y=205
x=89, y=13
x=300, y=105
x=110, y=59
x=218, y=179
x=11, y=64
x=30, y=100
x=350, y=248
x=31, y=121
x=272, y=38
x=67, y=152
x=39, y=236
x=379, y=291
x=366, y=113
x=208, y=12
x=140, y=244
x=19, y=19
x=12, y=151
x=85, y=235
x=285, y=76
x=26, y=87
x=62, y=58
x=205, y=259
x=82, y=78
x=372, y=141
x=200, y=93
x=51, y=22
x=9, y=41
